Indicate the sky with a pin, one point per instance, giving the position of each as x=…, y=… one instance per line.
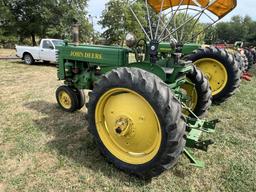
x=244, y=7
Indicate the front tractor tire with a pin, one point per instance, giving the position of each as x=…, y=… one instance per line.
x=220, y=68
x=70, y=99
x=198, y=92
x=81, y=98
x=136, y=121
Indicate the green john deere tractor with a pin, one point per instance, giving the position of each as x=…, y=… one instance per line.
x=142, y=114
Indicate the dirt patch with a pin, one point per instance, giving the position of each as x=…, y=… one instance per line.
x=45, y=161
x=19, y=166
x=3, y=187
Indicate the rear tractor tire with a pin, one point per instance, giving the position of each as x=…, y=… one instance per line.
x=238, y=57
x=70, y=99
x=221, y=69
x=198, y=92
x=136, y=121
x=250, y=58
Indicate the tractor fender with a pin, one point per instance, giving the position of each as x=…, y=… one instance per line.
x=149, y=67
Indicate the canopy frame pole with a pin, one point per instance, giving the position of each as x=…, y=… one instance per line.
x=143, y=29
x=175, y=19
x=170, y=34
x=211, y=17
x=149, y=20
x=206, y=28
x=194, y=24
x=174, y=31
x=173, y=15
x=186, y=17
x=159, y=17
x=193, y=9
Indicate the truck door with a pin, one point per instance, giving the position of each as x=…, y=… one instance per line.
x=47, y=52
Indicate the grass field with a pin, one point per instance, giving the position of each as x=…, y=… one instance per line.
x=45, y=149
x=7, y=52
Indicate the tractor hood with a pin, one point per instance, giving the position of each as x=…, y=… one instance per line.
x=188, y=48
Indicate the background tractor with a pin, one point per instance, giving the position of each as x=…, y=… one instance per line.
x=142, y=114
x=218, y=65
x=245, y=57
x=220, y=68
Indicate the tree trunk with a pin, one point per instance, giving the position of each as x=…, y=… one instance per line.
x=21, y=40
x=33, y=39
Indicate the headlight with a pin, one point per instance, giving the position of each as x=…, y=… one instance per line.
x=130, y=40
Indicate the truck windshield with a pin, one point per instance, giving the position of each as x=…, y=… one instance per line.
x=58, y=42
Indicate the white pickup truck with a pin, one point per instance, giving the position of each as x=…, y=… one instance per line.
x=45, y=52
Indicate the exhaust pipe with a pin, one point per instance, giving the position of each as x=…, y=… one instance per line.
x=75, y=32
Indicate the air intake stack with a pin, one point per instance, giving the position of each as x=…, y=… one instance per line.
x=75, y=32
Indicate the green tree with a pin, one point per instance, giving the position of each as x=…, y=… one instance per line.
x=210, y=35
x=238, y=29
x=118, y=20
x=223, y=31
x=53, y=18
x=66, y=12
x=192, y=31
x=250, y=25
x=6, y=37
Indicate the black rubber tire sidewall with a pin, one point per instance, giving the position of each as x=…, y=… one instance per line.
x=250, y=58
x=172, y=126
x=31, y=58
x=230, y=65
x=203, y=90
x=81, y=98
x=73, y=96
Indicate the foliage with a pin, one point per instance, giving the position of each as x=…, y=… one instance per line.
x=238, y=29
x=36, y=18
x=118, y=20
x=190, y=32
x=210, y=35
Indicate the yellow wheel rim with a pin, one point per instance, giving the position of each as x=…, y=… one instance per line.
x=128, y=126
x=65, y=100
x=192, y=96
x=215, y=72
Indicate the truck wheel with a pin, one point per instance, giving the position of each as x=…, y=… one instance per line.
x=221, y=69
x=67, y=98
x=28, y=59
x=198, y=92
x=136, y=121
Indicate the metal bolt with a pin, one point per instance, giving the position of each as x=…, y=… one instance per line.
x=118, y=130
